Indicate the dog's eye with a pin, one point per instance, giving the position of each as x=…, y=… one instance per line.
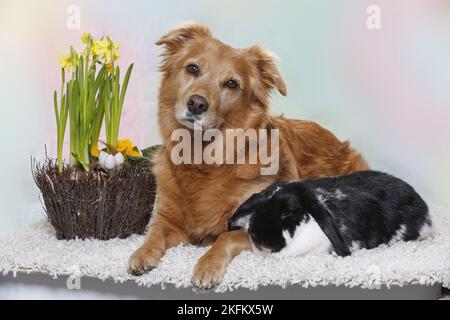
x=193, y=69
x=231, y=84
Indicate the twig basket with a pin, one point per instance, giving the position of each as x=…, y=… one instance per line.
x=96, y=204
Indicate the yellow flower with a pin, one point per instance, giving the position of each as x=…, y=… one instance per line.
x=86, y=37
x=110, y=68
x=106, y=48
x=134, y=153
x=127, y=148
x=95, y=151
x=112, y=52
x=124, y=145
x=65, y=61
x=99, y=47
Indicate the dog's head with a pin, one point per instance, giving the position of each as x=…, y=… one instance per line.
x=207, y=83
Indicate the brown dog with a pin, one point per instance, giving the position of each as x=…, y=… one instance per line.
x=224, y=87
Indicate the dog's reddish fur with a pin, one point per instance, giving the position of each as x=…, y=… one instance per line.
x=194, y=202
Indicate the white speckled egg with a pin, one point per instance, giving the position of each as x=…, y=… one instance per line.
x=101, y=157
x=118, y=159
x=110, y=162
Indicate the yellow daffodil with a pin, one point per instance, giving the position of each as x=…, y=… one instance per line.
x=86, y=37
x=95, y=151
x=65, y=61
x=113, y=52
x=106, y=48
x=99, y=47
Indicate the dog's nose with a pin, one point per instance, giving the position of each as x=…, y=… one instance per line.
x=197, y=104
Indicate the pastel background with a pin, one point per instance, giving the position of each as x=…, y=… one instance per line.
x=387, y=90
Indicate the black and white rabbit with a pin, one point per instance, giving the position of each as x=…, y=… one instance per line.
x=343, y=213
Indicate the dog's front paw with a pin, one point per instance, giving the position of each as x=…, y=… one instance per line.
x=208, y=272
x=144, y=260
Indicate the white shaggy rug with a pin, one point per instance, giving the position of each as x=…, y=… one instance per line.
x=35, y=249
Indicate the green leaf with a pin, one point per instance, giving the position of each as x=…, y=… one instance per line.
x=150, y=151
x=64, y=112
x=125, y=85
x=55, y=105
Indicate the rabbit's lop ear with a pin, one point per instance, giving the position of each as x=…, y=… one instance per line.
x=328, y=226
x=335, y=237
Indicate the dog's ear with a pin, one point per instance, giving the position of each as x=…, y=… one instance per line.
x=176, y=38
x=267, y=72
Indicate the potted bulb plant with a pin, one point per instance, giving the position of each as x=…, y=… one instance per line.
x=107, y=189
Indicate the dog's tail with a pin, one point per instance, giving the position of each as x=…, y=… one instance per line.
x=354, y=160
